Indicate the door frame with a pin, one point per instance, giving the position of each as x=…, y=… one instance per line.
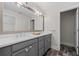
x=77, y=28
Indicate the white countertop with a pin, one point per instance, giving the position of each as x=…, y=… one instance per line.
x=13, y=39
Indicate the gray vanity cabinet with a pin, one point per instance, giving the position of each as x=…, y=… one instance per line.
x=33, y=47
x=33, y=50
x=27, y=48
x=41, y=46
x=44, y=44
x=6, y=51
x=47, y=42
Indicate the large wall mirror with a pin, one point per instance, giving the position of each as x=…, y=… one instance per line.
x=16, y=18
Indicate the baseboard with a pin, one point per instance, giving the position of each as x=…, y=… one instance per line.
x=68, y=44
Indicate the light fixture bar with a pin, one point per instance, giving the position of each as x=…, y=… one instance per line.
x=24, y=4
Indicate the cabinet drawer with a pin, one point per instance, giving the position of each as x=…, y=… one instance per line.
x=19, y=53
x=29, y=42
x=41, y=38
x=49, y=36
x=41, y=44
x=18, y=46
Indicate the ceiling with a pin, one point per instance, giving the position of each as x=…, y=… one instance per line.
x=47, y=7
x=44, y=7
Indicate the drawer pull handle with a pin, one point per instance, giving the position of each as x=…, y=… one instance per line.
x=26, y=49
x=30, y=46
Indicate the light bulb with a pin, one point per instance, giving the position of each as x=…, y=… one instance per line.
x=18, y=5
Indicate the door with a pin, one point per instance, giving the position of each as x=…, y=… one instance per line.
x=68, y=28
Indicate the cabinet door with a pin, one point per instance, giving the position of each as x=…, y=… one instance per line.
x=41, y=52
x=47, y=42
x=19, y=53
x=33, y=50
x=6, y=51
x=41, y=44
x=41, y=47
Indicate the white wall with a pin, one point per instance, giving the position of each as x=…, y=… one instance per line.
x=52, y=18
x=52, y=23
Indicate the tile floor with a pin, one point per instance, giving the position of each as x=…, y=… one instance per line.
x=64, y=51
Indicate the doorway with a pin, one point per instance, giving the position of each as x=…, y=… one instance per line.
x=68, y=30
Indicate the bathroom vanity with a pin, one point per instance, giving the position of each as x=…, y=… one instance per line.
x=33, y=45
x=17, y=24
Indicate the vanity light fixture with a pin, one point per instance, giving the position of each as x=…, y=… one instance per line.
x=37, y=12
x=25, y=5
x=18, y=5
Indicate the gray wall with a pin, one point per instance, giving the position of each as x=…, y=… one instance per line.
x=67, y=28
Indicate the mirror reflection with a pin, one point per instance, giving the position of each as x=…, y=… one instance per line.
x=19, y=17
